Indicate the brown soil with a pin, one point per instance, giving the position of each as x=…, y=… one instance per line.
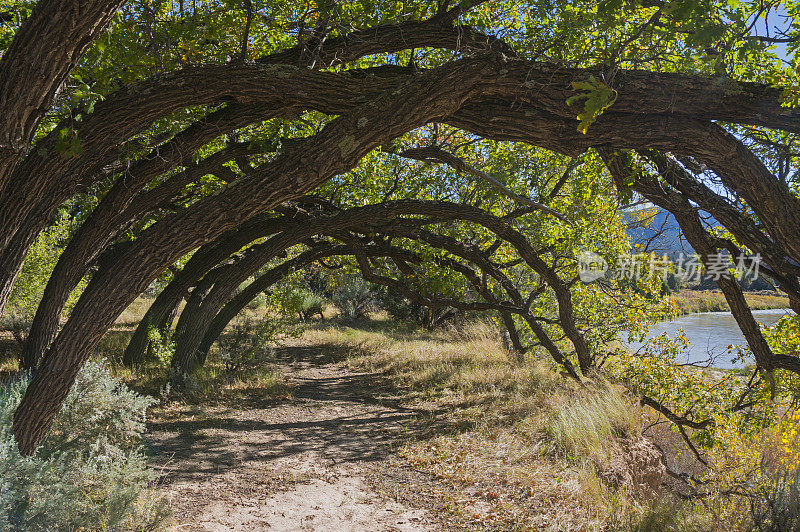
x=317, y=459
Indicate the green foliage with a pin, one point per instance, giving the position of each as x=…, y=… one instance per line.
x=89, y=473
x=311, y=305
x=247, y=344
x=598, y=96
x=68, y=145
x=291, y=298
x=36, y=270
x=39, y=263
x=398, y=306
x=162, y=347
x=658, y=372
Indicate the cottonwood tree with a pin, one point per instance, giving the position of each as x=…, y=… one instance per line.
x=34, y=66
x=510, y=265
x=691, y=80
x=534, y=224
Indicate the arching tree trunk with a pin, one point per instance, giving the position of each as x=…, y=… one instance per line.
x=50, y=43
x=217, y=286
x=238, y=302
x=203, y=260
x=697, y=236
x=336, y=148
x=122, y=206
x=33, y=69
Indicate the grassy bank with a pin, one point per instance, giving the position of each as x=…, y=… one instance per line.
x=691, y=301
x=509, y=445
x=517, y=446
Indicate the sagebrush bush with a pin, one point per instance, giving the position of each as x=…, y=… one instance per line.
x=247, y=344
x=354, y=298
x=778, y=507
x=90, y=472
x=312, y=305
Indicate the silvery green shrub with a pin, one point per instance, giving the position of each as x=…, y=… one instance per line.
x=90, y=472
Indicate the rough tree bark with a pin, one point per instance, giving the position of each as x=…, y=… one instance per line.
x=238, y=302
x=337, y=148
x=508, y=99
x=38, y=61
x=119, y=209
x=203, y=260
x=45, y=181
x=33, y=69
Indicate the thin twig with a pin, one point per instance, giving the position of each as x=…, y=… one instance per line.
x=436, y=153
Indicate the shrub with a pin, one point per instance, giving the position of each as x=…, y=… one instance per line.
x=246, y=346
x=161, y=347
x=89, y=473
x=291, y=297
x=17, y=323
x=397, y=305
x=778, y=508
x=354, y=297
x=260, y=301
x=311, y=305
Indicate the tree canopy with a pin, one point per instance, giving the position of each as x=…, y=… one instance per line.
x=209, y=141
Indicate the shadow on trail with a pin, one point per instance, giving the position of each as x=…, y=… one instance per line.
x=332, y=416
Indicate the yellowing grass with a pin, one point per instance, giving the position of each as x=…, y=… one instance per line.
x=689, y=301
x=585, y=423
x=518, y=443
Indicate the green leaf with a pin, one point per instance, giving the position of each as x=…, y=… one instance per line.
x=68, y=145
x=598, y=96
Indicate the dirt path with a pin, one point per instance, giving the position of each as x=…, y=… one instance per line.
x=302, y=463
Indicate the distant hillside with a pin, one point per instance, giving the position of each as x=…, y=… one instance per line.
x=659, y=231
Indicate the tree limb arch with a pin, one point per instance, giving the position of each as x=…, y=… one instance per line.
x=42, y=54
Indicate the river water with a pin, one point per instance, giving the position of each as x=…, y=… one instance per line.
x=710, y=334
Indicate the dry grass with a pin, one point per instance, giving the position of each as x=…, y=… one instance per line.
x=691, y=301
x=585, y=423
x=518, y=444
x=213, y=382
x=9, y=356
x=131, y=316
x=467, y=363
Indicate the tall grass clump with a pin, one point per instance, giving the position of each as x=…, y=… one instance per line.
x=778, y=509
x=587, y=422
x=90, y=472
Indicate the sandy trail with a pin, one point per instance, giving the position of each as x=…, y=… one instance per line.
x=302, y=463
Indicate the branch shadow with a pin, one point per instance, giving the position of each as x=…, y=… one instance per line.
x=332, y=415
